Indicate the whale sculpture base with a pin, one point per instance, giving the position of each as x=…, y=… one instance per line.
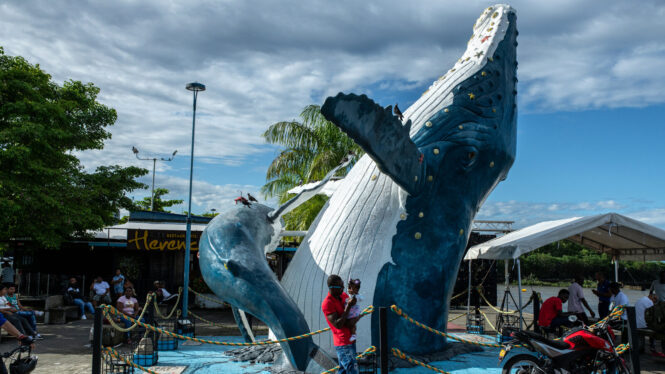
x=273, y=355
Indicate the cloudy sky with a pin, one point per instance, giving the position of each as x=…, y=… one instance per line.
x=591, y=135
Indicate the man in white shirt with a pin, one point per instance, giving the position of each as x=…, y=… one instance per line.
x=658, y=286
x=641, y=306
x=576, y=300
x=101, y=291
x=618, y=298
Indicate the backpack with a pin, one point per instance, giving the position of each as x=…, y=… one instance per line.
x=655, y=317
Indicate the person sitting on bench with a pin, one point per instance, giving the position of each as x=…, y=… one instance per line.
x=164, y=296
x=551, y=312
x=21, y=323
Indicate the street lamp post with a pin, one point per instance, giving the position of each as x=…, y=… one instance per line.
x=154, y=162
x=195, y=87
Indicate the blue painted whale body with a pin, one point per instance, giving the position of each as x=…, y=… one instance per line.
x=400, y=220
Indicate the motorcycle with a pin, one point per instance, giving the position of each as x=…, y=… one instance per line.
x=585, y=349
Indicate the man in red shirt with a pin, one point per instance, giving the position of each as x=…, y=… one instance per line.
x=551, y=312
x=336, y=310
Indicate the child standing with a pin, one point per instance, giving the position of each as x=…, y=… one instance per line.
x=354, y=311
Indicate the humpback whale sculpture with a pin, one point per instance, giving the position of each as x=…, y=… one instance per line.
x=400, y=220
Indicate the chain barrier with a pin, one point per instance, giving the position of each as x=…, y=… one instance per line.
x=489, y=322
x=621, y=348
x=480, y=288
x=134, y=324
x=458, y=317
x=109, y=310
x=367, y=352
x=113, y=353
x=458, y=295
x=198, y=294
x=205, y=320
x=399, y=354
x=175, y=306
x=401, y=313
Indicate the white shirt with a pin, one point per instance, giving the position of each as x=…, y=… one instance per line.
x=620, y=299
x=165, y=293
x=640, y=306
x=3, y=303
x=575, y=299
x=101, y=287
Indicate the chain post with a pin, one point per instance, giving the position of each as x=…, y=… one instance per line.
x=97, y=342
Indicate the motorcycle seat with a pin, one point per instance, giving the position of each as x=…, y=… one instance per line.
x=559, y=344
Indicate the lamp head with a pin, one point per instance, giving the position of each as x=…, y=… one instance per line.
x=174, y=152
x=136, y=151
x=195, y=86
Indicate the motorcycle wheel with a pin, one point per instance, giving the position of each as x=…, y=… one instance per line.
x=522, y=364
x=612, y=367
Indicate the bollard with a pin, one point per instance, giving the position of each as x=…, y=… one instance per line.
x=97, y=342
x=383, y=339
x=633, y=339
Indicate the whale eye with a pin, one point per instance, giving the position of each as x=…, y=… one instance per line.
x=468, y=156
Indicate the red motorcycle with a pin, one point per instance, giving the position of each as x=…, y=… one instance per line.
x=586, y=349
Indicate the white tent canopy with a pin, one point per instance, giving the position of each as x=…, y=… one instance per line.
x=611, y=233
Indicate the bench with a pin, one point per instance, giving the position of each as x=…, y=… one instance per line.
x=57, y=312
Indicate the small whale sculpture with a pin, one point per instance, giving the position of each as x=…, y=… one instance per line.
x=233, y=264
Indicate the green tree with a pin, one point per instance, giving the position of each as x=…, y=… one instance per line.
x=45, y=194
x=160, y=205
x=312, y=147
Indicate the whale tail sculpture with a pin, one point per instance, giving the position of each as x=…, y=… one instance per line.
x=400, y=219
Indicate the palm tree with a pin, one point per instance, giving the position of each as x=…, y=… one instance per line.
x=312, y=147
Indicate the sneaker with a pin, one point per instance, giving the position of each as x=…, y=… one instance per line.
x=39, y=313
x=84, y=317
x=352, y=338
x=38, y=337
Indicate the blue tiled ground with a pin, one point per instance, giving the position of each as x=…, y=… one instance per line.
x=205, y=358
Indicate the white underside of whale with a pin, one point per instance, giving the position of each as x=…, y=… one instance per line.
x=352, y=236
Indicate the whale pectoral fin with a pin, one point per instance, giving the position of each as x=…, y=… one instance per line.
x=380, y=134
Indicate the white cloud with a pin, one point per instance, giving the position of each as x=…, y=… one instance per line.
x=527, y=213
x=263, y=61
x=205, y=196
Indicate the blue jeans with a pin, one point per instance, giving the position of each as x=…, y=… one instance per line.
x=30, y=315
x=128, y=323
x=346, y=354
x=83, y=305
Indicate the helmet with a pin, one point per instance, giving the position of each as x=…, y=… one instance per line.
x=23, y=365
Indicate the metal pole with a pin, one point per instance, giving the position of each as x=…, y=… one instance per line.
x=152, y=194
x=468, y=297
x=97, y=342
x=188, y=235
x=616, y=270
x=505, y=273
x=536, y=310
x=519, y=289
x=633, y=339
x=383, y=339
